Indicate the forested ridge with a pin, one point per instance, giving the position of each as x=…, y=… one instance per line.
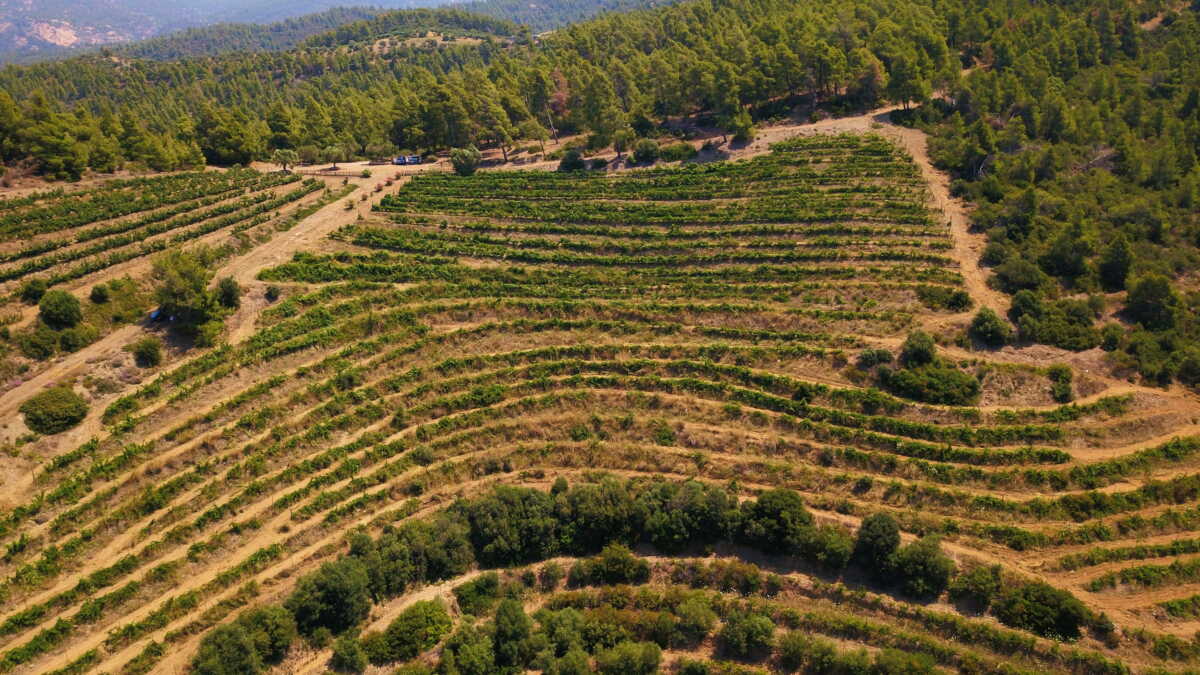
x=1077, y=137
x=233, y=37
x=592, y=77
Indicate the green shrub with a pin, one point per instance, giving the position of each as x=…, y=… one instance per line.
x=147, y=352
x=31, y=291
x=510, y=638
x=629, y=658
x=471, y=651
x=208, y=333
x=645, y=151
x=478, y=595
x=808, y=653
x=336, y=597
x=59, y=309
x=1110, y=336
x=1060, y=382
x=229, y=293
x=918, y=349
x=182, y=285
x=465, y=160
x=550, y=575
x=1152, y=302
x=776, y=522
x=976, y=588
x=827, y=546
x=988, y=328
x=257, y=639
x=995, y=253
x=747, y=636
x=227, y=650
x=271, y=629
x=877, y=540
x=272, y=293
x=933, y=383
x=1042, y=609
x=348, y=655
x=574, y=662
x=677, y=152
x=1065, y=323
x=376, y=648
x=869, y=358
x=941, y=297
x=99, y=294
x=694, y=620
x=1016, y=274
x=54, y=410
x=616, y=564
x=418, y=628
x=572, y=160
x=74, y=339
x=921, y=568
x=38, y=344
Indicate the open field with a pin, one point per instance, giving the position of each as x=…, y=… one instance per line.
x=705, y=322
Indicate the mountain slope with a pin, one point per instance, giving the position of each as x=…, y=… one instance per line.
x=233, y=37
x=30, y=31
x=149, y=30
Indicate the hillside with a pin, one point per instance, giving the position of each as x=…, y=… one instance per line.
x=243, y=37
x=731, y=336
x=53, y=28
x=167, y=32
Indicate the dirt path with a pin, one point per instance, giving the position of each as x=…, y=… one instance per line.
x=70, y=366
x=307, y=234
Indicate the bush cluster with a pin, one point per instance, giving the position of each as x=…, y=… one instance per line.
x=54, y=410
x=515, y=526
x=926, y=377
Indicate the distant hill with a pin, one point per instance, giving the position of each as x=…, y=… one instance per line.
x=232, y=37
x=543, y=15
x=32, y=31
x=165, y=31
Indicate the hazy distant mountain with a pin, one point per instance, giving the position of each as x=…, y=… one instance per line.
x=34, y=29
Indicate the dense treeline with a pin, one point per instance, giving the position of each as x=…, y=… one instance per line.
x=1077, y=134
x=512, y=526
x=600, y=77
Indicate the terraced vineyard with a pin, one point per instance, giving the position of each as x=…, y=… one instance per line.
x=98, y=242
x=62, y=238
x=515, y=367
